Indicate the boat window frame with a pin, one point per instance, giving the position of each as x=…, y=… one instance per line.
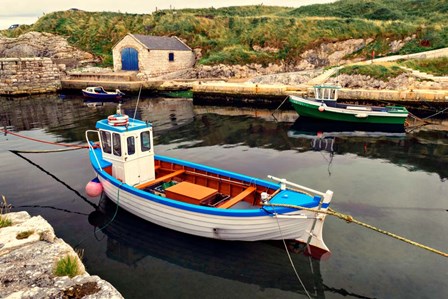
x=116, y=144
x=143, y=146
x=130, y=145
x=106, y=141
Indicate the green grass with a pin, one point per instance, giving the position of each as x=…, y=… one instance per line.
x=67, y=266
x=428, y=11
x=5, y=221
x=434, y=66
x=228, y=35
x=379, y=72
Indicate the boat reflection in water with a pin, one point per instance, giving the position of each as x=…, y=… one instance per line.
x=325, y=134
x=312, y=128
x=266, y=264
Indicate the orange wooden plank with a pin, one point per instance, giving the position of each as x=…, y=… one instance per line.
x=233, y=201
x=161, y=179
x=189, y=192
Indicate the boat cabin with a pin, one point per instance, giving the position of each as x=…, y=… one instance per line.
x=96, y=89
x=326, y=92
x=128, y=146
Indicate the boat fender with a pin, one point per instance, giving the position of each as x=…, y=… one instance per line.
x=264, y=197
x=361, y=115
x=118, y=120
x=321, y=108
x=94, y=188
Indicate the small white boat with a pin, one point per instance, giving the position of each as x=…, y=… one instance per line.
x=198, y=199
x=98, y=92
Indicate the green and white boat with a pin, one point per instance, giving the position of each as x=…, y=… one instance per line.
x=325, y=106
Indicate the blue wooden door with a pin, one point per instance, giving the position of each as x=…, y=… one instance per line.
x=129, y=59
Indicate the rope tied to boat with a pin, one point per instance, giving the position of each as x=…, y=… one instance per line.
x=43, y=141
x=348, y=218
x=351, y=219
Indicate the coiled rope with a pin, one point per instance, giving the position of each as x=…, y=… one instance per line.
x=350, y=219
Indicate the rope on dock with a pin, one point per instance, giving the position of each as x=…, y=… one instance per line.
x=350, y=219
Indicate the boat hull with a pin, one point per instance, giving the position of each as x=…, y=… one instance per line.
x=101, y=96
x=319, y=110
x=232, y=227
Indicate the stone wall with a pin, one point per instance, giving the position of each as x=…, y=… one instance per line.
x=19, y=76
x=153, y=62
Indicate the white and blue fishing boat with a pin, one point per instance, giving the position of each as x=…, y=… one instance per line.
x=98, y=93
x=198, y=199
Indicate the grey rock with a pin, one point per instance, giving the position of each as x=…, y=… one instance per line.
x=28, y=264
x=41, y=44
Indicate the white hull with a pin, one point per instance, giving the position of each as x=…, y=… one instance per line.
x=218, y=226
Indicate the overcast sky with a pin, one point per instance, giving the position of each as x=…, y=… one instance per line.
x=28, y=11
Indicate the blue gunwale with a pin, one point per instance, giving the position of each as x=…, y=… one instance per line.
x=301, y=199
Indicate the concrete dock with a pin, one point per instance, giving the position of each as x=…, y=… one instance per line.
x=208, y=91
x=277, y=93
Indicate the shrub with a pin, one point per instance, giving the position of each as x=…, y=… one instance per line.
x=67, y=266
x=434, y=66
x=376, y=71
x=235, y=55
x=5, y=221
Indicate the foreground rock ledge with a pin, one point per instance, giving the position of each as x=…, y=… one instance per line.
x=27, y=265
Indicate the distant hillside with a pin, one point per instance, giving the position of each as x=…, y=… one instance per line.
x=429, y=11
x=261, y=34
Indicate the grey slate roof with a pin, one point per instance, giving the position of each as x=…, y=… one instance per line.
x=162, y=43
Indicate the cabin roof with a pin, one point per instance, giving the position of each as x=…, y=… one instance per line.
x=162, y=42
x=133, y=125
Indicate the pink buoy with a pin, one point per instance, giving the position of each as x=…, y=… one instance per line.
x=94, y=188
x=321, y=108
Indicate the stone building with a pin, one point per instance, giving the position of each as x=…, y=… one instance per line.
x=153, y=55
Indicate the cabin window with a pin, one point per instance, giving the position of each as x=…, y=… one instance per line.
x=131, y=145
x=146, y=141
x=116, y=144
x=170, y=56
x=105, y=141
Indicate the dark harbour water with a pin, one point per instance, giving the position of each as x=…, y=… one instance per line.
x=397, y=183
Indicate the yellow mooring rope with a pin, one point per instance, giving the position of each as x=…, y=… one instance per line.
x=350, y=219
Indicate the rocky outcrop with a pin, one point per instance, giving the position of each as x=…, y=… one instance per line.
x=326, y=54
x=28, y=263
x=223, y=71
x=404, y=81
x=41, y=44
x=331, y=53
